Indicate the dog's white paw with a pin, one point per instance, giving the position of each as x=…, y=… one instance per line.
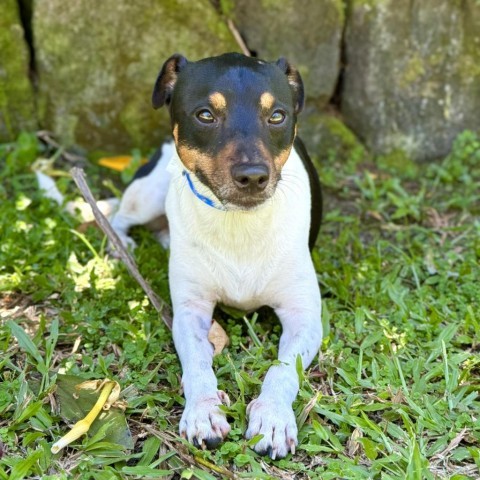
x=203, y=423
x=128, y=242
x=163, y=238
x=276, y=422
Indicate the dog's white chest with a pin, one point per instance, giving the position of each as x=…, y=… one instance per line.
x=238, y=258
x=240, y=269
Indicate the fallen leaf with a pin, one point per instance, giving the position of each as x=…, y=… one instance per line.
x=353, y=444
x=75, y=403
x=218, y=338
x=119, y=163
x=98, y=385
x=83, y=425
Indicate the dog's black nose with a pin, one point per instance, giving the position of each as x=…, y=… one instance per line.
x=250, y=177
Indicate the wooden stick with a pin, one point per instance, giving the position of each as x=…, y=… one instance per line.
x=238, y=38
x=160, y=305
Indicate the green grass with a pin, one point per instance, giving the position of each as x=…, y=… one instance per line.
x=394, y=393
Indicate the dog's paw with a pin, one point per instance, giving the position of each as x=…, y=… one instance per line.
x=203, y=423
x=276, y=422
x=128, y=242
x=163, y=238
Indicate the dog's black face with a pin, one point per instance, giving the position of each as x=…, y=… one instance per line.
x=233, y=120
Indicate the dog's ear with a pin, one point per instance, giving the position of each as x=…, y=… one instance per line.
x=165, y=83
x=295, y=82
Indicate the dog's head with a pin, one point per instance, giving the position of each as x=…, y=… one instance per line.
x=233, y=120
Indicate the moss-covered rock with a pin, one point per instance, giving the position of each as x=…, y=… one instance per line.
x=17, y=106
x=307, y=32
x=98, y=61
x=329, y=139
x=412, y=76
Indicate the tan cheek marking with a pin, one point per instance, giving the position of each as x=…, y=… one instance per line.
x=218, y=101
x=282, y=158
x=266, y=101
x=193, y=159
x=175, y=133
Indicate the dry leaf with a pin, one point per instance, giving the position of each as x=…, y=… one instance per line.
x=75, y=404
x=353, y=444
x=83, y=426
x=218, y=338
x=112, y=399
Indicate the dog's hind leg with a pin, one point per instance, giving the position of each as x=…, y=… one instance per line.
x=144, y=199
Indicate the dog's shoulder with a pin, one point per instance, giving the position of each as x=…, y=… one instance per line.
x=161, y=156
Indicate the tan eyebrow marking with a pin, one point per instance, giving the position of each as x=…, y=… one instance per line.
x=218, y=101
x=267, y=100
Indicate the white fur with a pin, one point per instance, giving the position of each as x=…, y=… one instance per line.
x=144, y=199
x=245, y=259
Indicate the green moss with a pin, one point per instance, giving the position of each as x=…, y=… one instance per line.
x=398, y=160
x=414, y=70
x=17, y=107
x=328, y=139
x=96, y=80
x=365, y=3
x=340, y=131
x=469, y=67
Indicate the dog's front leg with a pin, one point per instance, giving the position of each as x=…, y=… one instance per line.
x=271, y=414
x=202, y=423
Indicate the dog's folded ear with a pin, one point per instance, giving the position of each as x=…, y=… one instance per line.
x=295, y=82
x=165, y=83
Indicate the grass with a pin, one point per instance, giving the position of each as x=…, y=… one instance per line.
x=393, y=394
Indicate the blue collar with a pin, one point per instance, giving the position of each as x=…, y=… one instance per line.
x=203, y=198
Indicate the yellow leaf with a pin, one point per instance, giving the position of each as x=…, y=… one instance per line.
x=118, y=163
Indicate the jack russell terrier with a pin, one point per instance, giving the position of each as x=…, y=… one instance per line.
x=244, y=204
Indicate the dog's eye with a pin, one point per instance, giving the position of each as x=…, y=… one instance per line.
x=205, y=116
x=277, y=117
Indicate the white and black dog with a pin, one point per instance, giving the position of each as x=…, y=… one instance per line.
x=243, y=204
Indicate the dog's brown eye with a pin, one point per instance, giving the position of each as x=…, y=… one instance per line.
x=205, y=116
x=277, y=117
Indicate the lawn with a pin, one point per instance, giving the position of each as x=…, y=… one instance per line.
x=393, y=394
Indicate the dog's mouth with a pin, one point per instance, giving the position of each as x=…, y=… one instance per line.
x=250, y=202
x=231, y=197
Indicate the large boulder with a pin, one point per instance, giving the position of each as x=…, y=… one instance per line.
x=17, y=105
x=412, y=76
x=98, y=60
x=329, y=140
x=307, y=32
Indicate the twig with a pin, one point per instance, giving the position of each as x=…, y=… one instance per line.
x=439, y=457
x=47, y=137
x=174, y=445
x=160, y=305
x=238, y=38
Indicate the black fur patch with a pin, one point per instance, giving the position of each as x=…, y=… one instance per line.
x=146, y=170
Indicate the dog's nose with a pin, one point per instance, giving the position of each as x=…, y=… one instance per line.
x=250, y=177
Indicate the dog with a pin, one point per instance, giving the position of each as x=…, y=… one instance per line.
x=243, y=203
